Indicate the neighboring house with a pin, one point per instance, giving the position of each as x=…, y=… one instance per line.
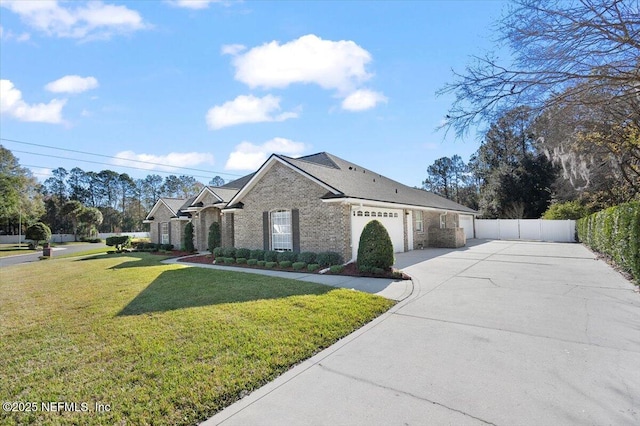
x=316, y=203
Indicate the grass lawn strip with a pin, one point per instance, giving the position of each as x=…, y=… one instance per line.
x=161, y=344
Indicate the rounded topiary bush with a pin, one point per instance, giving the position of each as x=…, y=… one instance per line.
x=38, y=232
x=375, y=249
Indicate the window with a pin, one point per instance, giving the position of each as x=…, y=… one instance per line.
x=385, y=214
x=419, y=221
x=281, y=231
x=379, y=214
x=366, y=214
x=359, y=213
x=164, y=233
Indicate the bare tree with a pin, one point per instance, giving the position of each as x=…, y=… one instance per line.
x=562, y=52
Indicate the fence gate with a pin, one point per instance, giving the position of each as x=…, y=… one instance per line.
x=563, y=231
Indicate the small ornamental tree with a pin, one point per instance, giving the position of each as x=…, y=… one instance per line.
x=214, y=236
x=38, y=232
x=188, y=237
x=375, y=249
x=118, y=241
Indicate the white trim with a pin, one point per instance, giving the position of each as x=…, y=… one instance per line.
x=206, y=188
x=265, y=168
x=387, y=204
x=157, y=204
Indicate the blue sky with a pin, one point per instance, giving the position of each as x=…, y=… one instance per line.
x=218, y=86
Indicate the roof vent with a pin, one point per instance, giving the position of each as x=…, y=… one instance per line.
x=396, y=190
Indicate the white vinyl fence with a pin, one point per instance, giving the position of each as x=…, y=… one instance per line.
x=65, y=238
x=563, y=231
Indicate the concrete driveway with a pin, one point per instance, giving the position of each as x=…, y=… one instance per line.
x=501, y=332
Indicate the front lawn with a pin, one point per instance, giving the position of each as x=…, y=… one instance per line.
x=156, y=343
x=14, y=249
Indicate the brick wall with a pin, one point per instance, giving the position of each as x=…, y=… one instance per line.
x=323, y=226
x=227, y=226
x=446, y=237
x=163, y=214
x=431, y=225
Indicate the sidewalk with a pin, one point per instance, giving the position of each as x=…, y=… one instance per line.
x=385, y=287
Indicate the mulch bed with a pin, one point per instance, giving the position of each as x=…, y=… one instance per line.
x=349, y=270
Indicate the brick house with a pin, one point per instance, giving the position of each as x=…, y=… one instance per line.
x=316, y=203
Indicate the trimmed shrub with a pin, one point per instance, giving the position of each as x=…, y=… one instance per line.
x=241, y=260
x=285, y=264
x=313, y=267
x=270, y=265
x=287, y=256
x=166, y=247
x=328, y=258
x=187, y=240
x=229, y=252
x=378, y=271
x=99, y=240
x=243, y=252
x=271, y=256
x=229, y=260
x=336, y=269
x=252, y=262
x=307, y=257
x=298, y=266
x=119, y=241
x=616, y=233
x=38, y=232
x=261, y=263
x=214, y=239
x=375, y=249
x=218, y=252
x=257, y=254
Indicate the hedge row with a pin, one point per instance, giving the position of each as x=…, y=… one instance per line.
x=151, y=247
x=327, y=258
x=285, y=264
x=616, y=233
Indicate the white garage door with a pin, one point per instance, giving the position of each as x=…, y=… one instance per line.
x=466, y=223
x=390, y=218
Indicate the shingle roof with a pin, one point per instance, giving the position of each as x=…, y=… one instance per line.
x=355, y=181
x=238, y=183
x=225, y=193
x=175, y=204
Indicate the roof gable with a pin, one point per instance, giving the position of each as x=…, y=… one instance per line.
x=273, y=159
x=172, y=204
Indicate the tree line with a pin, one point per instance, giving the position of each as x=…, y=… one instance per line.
x=84, y=202
x=563, y=115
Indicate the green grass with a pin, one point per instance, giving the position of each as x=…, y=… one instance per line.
x=14, y=249
x=161, y=344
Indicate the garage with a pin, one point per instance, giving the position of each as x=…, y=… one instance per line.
x=466, y=223
x=390, y=218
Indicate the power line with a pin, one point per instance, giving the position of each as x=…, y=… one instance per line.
x=114, y=158
x=98, y=162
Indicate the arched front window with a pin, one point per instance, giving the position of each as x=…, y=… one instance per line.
x=281, y=230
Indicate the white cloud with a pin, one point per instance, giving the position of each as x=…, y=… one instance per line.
x=72, y=84
x=192, y=4
x=169, y=162
x=93, y=19
x=362, y=99
x=330, y=64
x=248, y=156
x=12, y=104
x=9, y=35
x=232, y=49
x=247, y=109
